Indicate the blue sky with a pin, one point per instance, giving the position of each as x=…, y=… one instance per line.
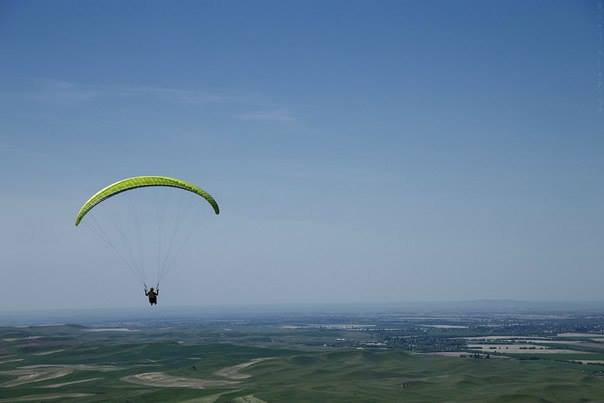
x=361, y=151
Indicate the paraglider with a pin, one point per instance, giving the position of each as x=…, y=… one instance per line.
x=152, y=294
x=126, y=247
x=139, y=182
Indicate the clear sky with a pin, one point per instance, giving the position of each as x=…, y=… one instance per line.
x=361, y=151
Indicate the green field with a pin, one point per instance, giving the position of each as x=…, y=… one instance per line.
x=254, y=363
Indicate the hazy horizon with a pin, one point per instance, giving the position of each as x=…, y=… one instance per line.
x=361, y=152
x=292, y=312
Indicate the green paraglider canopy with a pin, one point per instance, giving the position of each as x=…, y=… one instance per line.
x=139, y=182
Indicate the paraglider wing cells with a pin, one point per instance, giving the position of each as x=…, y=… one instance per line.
x=138, y=182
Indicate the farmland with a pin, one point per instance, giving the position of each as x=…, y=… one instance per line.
x=336, y=357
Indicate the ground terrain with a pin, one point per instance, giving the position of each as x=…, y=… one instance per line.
x=309, y=357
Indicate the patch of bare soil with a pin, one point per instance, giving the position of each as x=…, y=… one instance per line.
x=590, y=361
x=161, y=379
x=28, y=375
x=42, y=398
x=210, y=398
x=234, y=371
x=59, y=385
x=248, y=399
x=80, y=367
x=49, y=352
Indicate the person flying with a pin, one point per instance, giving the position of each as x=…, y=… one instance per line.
x=152, y=294
x=133, y=222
